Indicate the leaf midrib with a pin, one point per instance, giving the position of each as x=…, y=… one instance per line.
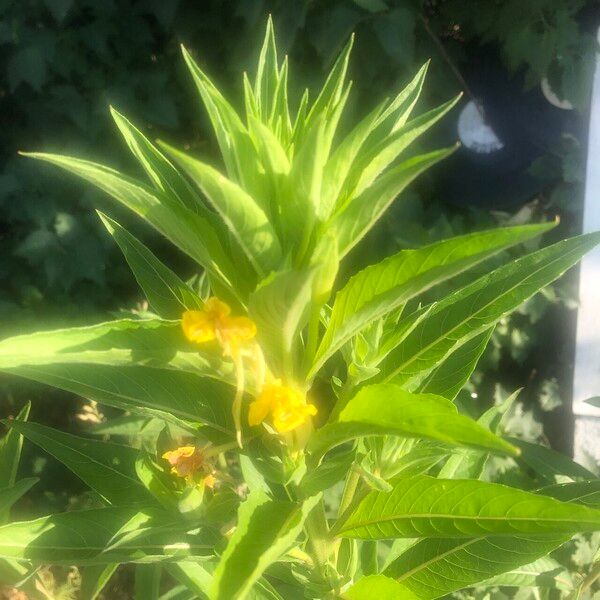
x=464, y=518
x=471, y=317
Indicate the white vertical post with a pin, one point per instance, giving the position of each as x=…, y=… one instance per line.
x=586, y=382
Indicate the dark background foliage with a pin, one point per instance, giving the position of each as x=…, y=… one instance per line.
x=62, y=62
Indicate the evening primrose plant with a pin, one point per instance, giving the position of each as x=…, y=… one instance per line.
x=278, y=432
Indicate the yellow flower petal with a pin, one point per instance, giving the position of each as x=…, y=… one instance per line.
x=287, y=407
x=258, y=411
x=197, y=326
x=216, y=309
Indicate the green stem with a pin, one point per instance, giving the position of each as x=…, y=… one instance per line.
x=313, y=336
x=353, y=494
x=319, y=545
x=349, y=490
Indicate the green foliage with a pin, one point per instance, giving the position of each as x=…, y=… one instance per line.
x=234, y=495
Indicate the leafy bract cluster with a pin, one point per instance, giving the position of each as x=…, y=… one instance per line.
x=381, y=360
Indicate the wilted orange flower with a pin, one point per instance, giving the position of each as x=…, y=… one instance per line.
x=214, y=322
x=184, y=461
x=286, y=406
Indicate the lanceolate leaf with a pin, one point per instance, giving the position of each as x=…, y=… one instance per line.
x=548, y=463
x=435, y=567
x=246, y=220
x=466, y=463
x=253, y=547
x=423, y=506
x=582, y=492
x=133, y=365
x=167, y=294
x=380, y=587
x=9, y=495
x=543, y=573
x=94, y=578
x=280, y=308
x=125, y=342
x=267, y=74
x=384, y=153
x=472, y=309
x=106, y=467
x=379, y=289
x=354, y=220
x=160, y=171
x=10, y=454
x=453, y=373
x=331, y=92
x=147, y=582
x=183, y=399
x=390, y=410
x=239, y=154
x=189, y=231
x=99, y=536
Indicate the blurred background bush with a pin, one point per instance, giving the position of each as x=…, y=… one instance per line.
x=524, y=66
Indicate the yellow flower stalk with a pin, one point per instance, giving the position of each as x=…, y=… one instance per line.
x=285, y=406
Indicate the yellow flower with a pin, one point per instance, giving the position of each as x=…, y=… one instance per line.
x=215, y=322
x=286, y=406
x=184, y=461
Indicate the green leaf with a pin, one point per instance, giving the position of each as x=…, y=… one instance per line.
x=167, y=294
x=467, y=463
x=543, y=573
x=327, y=474
x=341, y=161
x=356, y=218
x=99, y=536
x=267, y=74
x=10, y=454
x=548, y=463
x=9, y=495
x=384, y=153
x=106, y=467
x=399, y=110
x=194, y=576
x=380, y=587
x=435, y=567
x=253, y=547
x=332, y=90
x=593, y=401
x=391, y=410
x=244, y=217
x=422, y=506
x=303, y=186
x=451, y=375
x=381, y=288
x=94, y=578
x=280, y=307
x=125, y=342
x=472, y=309
x=158, y=168
x=583, y=492
x=123, y=364
x=156, y=481
x=239, y=154
x=147, y=582
x=189, y=231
